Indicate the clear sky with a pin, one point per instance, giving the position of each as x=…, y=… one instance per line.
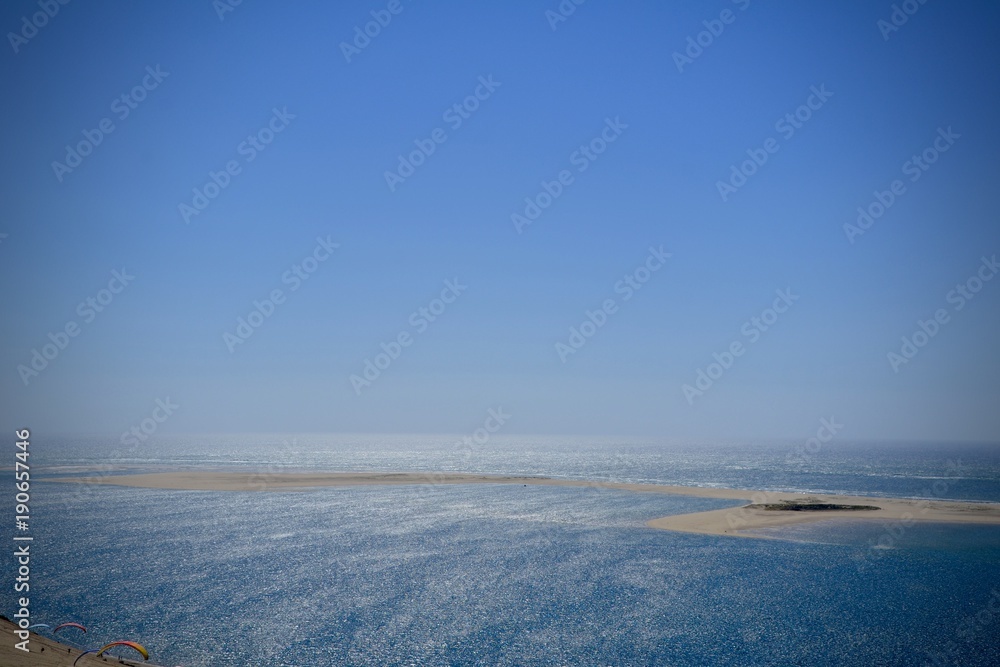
x=608, y=78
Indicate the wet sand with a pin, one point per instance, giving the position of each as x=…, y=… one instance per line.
x=729, y=521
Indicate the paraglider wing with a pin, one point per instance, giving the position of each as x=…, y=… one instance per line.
x=138, y=647
x=93, y=650
x=39, y=625
x=68, y=625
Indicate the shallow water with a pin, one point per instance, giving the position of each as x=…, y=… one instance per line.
x=489, y=575
x=958, y=471
x=506, y=574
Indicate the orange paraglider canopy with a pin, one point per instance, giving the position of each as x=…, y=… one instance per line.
x=68, y=625
x=100, y=651
x=138, y=647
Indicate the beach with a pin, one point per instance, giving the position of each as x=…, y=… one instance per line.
x=737, y=521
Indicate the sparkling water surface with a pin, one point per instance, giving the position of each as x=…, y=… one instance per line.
x=513, y=575
x=927, y=470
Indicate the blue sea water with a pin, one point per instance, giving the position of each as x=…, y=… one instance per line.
x=512, y=575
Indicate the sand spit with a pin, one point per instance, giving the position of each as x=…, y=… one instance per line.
x=729, y=521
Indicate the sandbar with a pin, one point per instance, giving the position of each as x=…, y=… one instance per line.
x=735, y=521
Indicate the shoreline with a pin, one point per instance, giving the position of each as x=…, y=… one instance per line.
x=733, y=521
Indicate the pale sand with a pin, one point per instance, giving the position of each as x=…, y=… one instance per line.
x=729, y=521
x=54, y=654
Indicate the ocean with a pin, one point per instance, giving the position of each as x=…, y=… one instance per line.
x=510, y=575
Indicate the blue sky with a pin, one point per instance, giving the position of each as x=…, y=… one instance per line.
x=323, y=176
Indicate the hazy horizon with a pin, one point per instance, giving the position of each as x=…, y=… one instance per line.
x=513, y=433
